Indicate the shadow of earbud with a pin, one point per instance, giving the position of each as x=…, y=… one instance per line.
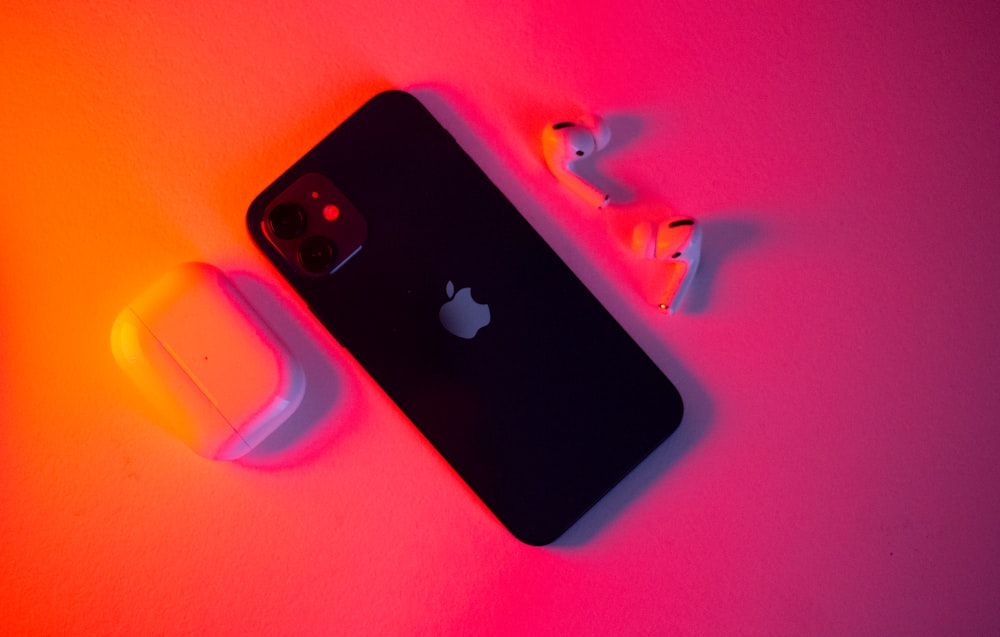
x=625, y=129
x=723, y=236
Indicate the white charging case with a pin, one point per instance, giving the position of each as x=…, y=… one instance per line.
x=220, y=378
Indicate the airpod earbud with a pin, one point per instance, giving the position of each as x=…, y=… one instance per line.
x=677, y=239
x=565, y=143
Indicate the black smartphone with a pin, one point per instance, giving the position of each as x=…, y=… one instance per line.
x=421, y=268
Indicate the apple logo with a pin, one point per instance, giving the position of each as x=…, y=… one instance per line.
x=462, y=315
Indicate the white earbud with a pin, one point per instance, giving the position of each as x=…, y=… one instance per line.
x=677, y=239
x=567, y=142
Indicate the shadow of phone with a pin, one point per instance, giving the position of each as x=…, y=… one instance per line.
x=318, y=420
x=726, y=234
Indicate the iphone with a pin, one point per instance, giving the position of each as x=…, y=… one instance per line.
x=419, y=266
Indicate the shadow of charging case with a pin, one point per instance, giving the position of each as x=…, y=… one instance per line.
x=219, y=377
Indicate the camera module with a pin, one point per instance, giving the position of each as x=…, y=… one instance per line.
x=314, y=227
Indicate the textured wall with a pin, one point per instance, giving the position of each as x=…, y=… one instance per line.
x=837, y=469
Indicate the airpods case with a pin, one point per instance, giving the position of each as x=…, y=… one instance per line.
x=220, y=378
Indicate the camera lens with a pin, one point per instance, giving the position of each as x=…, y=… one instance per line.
x=316, y=254
x=287, y=220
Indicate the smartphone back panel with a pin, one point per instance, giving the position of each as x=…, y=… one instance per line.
x=549, y=404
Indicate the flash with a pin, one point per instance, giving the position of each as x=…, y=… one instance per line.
x=330, y=212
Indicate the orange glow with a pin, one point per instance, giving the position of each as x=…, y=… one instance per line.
x=835, y=472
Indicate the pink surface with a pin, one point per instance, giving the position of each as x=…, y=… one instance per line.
x=836, y=472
